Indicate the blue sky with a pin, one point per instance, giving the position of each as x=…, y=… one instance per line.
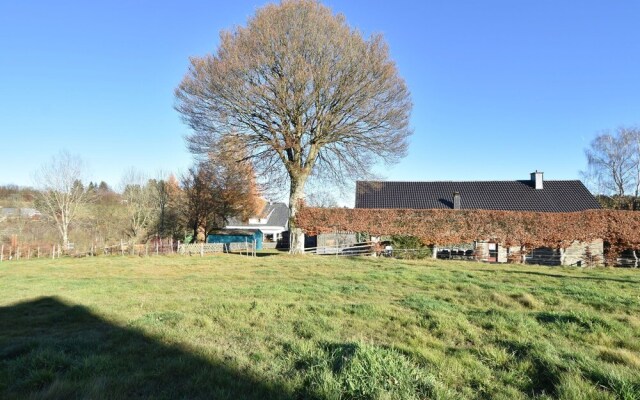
x=500, y=88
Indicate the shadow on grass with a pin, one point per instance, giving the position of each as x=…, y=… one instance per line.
x=591, y=278
x=258, y=253
x=269, y=254
x=50, y=349
x=587, y=323
x=543, y=374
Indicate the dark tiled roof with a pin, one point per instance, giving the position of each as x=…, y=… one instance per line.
x=277, y=214
x=556, y=196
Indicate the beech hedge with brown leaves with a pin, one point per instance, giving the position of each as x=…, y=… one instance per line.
x=621, y=229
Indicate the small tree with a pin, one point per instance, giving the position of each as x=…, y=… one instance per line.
x=197, y=207
x=61, y=193
x=220, y=189
x=303, y=94
x=167, y=200
x=614, y=165
x=106, y=216
x=139, y=196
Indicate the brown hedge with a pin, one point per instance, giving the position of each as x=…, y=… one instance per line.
x=621, y=229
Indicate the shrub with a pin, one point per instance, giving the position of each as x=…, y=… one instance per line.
x=619, y=229
x=409, y=247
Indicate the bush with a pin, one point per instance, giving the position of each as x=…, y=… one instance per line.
x=409, y=247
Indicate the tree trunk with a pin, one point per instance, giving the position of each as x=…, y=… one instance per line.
x=296, y=193
x=194, y=239
x=65, y=238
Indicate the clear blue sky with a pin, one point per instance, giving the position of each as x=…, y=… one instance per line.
x=500, y=88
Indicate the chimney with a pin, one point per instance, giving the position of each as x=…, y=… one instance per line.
x=456, y=200
x=536, y=180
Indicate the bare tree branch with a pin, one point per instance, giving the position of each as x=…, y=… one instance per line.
x=140, y=197
x=614, y=163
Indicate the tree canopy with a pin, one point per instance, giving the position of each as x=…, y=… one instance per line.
x=305, y=94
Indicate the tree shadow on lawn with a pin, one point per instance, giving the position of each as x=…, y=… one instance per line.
x=51, y=349
x=258, y=253
x=592, y=278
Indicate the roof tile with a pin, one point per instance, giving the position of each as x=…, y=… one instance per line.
x=556, y=196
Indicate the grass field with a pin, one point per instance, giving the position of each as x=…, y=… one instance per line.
x=310, y=327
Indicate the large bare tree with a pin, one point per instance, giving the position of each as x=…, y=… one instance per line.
x=306, y=95
x=61, y=193
x=614, y=163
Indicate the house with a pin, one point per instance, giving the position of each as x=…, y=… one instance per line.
x=534, y=194
x=14, y=213
x=273, y=221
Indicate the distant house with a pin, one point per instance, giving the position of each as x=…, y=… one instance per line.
x=272, y=221
x=534, y=194
x=11, y=212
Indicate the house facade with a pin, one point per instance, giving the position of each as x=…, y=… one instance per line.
x=534, y=194
x=272, y=221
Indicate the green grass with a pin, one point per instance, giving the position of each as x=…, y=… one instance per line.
x=312, y=327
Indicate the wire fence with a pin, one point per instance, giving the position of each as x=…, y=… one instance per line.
x=153, y=247
x=533, y=258
x=159, y=247
x=243, y=248
x=27, y=252
x=359, y=249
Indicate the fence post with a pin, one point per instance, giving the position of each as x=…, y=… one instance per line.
x=38, y=251
x=1, y=252
x=53, y=251
x=201, y=249
x=157, y=250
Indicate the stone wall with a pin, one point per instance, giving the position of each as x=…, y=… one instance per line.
x=576, y=254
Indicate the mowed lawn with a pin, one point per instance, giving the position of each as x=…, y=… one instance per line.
x=290, y=327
